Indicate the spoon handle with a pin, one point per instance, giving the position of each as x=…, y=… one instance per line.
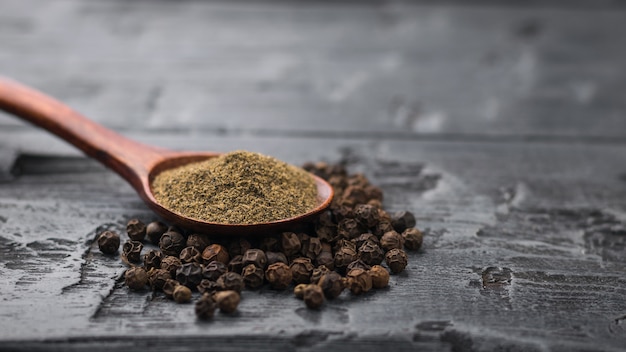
x=130, y=159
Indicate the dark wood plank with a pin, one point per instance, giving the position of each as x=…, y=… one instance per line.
x=524, y=252
x=399, y=68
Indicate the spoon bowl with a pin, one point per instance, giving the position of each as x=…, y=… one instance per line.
x=137, y=163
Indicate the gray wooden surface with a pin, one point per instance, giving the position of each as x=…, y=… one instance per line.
x=501, y=125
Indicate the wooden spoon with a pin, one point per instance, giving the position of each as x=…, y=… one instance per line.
x=137, y=163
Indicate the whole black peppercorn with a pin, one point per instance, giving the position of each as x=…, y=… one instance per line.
x=269, y=244
x=412, y=238
x=131, y=250
x=190, y=255
x=343, y=212
x=238, y=247
x=359, y=280
x=375, y=203
x=236, y=264
x=157, y=278
x=354, y=194
x=344, y=243
x=215, y=252
x=152, y=259
x=182, y=294
x=326, y=233
x=332, y=284
x=155, y=230
x=189, y=274
x=313, y=296
x=326, y=259
x=205, y=307
x=366, y=215
x=230, y=281
x=169, y=286
x=349, y=228
x=380, y=276
x=402, y=220
x=290, y=243
x=298, y=291
x=371, y=253
x=227, y=301
x=136, y=278
x=391, y=240
x=199, y=242
x=207, y=286
x=396, y=260
x=279, y=276
x=381, y=228
x=317, y=274
x=253, y=276
x=214, y=270
x=136, y=230
x=343, y=257
x=171, y=243
x=276, y=257
x=373, y=193
x=109, y=242
x=171, y=264
x=301, y=270
x=256, y=257
x=358, y=264
x=312, y=248
x=365, y=237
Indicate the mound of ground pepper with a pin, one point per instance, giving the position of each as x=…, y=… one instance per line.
x=239, y=187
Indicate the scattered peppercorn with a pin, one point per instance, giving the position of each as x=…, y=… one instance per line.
x=412, y=238
x=298, y=291
x=131, y=250
x=136, y=278
x=207, y=286
x=190, y=255
x=370, y=253
x=359, y=281
x=238, y=247
x=136, y=230
x=157, y=278
x=152, y=259
x=189, y=274
x=332, y=284
x=396, y=260
x=357, y=264
x=279, y=276
x=313, y=296
x=108, y=242
x=276, y=257
x=253, y=276
x=205, y=307
x=182, y=294
x=200, y=242
x=214, y=270
x=343, y=257
x=171, y=243
x=326, y=259
x=380, y=276
x=171, y=264
x=155, y=230
x=227, y=301
x=169, y=286
x=230, y=281
x=215, y=252
x=256, y=257
x=236, y=264
x=391, y=240
x=301, y=269
x=402, y=220
x=290, y=243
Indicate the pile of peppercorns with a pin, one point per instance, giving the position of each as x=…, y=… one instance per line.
x=342, y=249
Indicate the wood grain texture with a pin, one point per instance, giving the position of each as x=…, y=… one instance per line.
x=500, y=125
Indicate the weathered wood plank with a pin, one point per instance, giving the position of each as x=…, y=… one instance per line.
x=401, y=68
x=524, y=252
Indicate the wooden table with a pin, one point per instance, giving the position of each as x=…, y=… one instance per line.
x=501, y=125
